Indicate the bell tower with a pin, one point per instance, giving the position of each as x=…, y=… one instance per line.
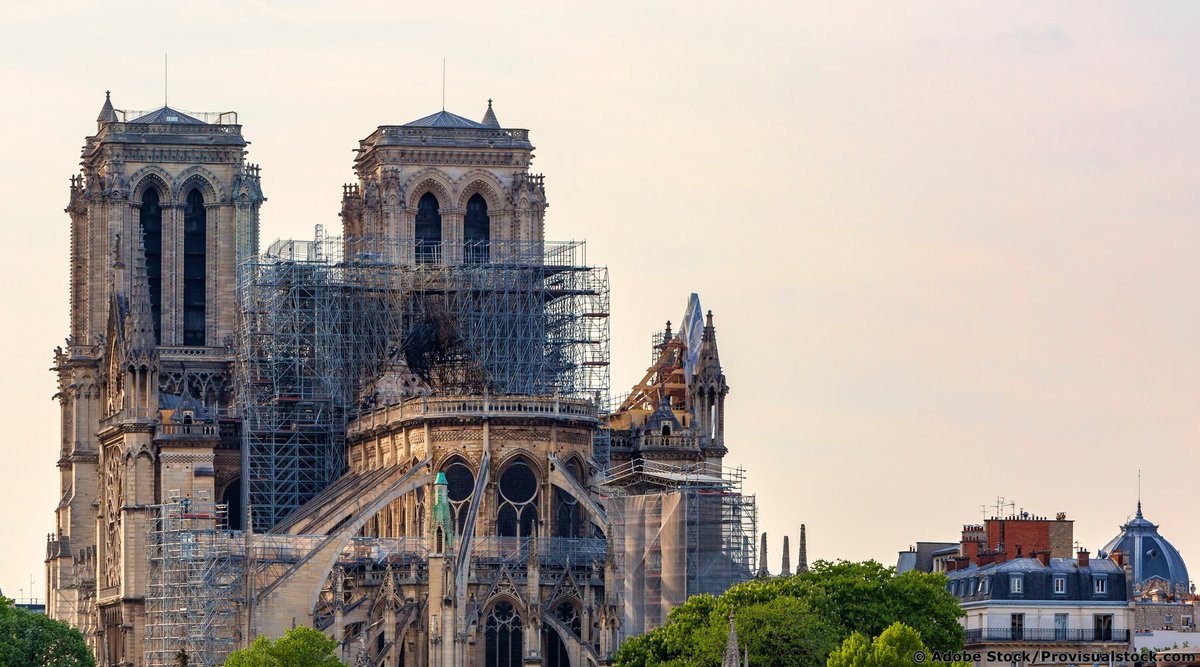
x=162, y=213
x=444, y=189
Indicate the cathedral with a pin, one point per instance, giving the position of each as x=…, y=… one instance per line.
x=401, y=435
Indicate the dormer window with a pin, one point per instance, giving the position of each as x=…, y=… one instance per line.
x=1060, y=585
x=1100, y=585
x=1016, y=584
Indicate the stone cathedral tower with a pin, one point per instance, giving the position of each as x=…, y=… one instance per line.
x=162, y=213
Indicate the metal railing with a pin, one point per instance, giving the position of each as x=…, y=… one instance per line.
x=209, y=117
x=1046, y=635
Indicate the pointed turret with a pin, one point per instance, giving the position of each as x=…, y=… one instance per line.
x=707, y=391
x=489, y=117
x=787, y=562
x=708, y=343
x=732, y=654
x=802, y=555
x=139, y=323
x=443, y=525
x=107, y=113
x=763, y=570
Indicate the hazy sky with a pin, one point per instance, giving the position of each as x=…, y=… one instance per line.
x=950, y=247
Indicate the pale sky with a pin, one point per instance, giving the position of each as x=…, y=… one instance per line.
x=950, y=247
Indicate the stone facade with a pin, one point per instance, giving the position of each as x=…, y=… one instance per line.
x=469, y=527
x=153, y=313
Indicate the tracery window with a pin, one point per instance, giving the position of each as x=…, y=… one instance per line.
x=460, y=484
x=518, y=495
x=114, y=500
x=151, y=219
x=429, y=229
x=568, y=614
x=195, y=239
x=477, y=230
x=569, y=517
x=503, y=637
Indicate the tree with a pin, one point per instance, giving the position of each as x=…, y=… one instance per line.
x=799, y=620
x=300, y=647
x=894, y=647
x=27, y=638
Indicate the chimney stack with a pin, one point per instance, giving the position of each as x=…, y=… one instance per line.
x=1083, y=557
x=1043, y=557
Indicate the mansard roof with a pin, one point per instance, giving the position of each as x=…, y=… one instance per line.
x=168, y=115
x=444, y=118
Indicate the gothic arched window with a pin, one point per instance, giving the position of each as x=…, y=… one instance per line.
x=460, y=484
x=554, y=649
x=518, y=500
x=477, y=230
x=429, y=229
x=151, y=217
x=195, y=242
x=568, y=514
x=504, y=637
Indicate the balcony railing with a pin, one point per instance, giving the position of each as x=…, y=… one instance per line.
x=528, y=406
x=1046, y=635
x=669, y=441
x=194, y=429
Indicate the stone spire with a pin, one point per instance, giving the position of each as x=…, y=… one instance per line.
x=107, y=113
x=802, y=555
x=763, y=570
x=732, y=654
x=139, y=324
x=787, y=562
x=489, y=118
x=708, y=342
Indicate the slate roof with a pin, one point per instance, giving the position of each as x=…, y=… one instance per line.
x=168, y=115
x=1149, y=553
x=444, y=118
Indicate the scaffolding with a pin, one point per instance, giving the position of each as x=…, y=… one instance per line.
x=196, y=587
x=323, y=321
x=676, y=531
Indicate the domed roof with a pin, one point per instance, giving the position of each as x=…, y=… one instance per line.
x=1151, y=556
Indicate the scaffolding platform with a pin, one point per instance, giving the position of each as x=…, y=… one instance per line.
x=676, y=531
x=324, y=320
x=196, y=589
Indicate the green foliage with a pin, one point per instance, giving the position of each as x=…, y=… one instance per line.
x=799, y=620
x=27, y=638
x=855, y=651
x=895, y=647
x=300, y=647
